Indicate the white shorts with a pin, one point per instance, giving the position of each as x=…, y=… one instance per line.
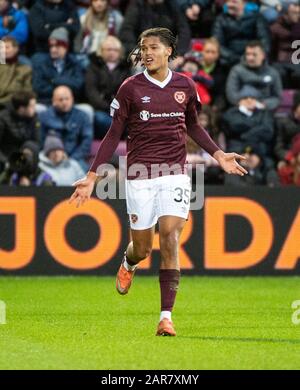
x=149, y=199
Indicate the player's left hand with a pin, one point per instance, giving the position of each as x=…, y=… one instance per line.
x=228, y=162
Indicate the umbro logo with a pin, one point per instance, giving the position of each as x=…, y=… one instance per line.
x=146, y=99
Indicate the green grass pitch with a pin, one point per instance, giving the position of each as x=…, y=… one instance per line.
x=82, y=323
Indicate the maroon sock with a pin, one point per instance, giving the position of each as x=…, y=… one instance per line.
x=169, y=282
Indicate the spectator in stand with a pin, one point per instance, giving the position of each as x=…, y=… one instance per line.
x=107, y=70
x=63, y=170
x=199, y=15
x=23, y=168
x=236, y=26
x=48, y=15
x=14, y=76
x=144, y=14
x=287, y=129
x=203, y=81
x=254, y=72
x=59, y=67
x=13, y=22
x=18, y=124
x=289, y=173
x=210, y=64
x=71, y=124
x=97, y=23
x=247, y=126
x=285, y=31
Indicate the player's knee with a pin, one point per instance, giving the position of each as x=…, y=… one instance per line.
x=142, y=251
x=169, y=241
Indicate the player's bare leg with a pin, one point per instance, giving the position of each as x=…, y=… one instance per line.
x=170, y=228
x=138, y=249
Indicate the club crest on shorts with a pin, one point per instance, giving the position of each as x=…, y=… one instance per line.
x=133, y=218
x=179, y=96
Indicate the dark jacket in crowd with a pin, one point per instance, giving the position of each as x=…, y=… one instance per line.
x=286, y=129
x=46, y=77
x=44, y=17
x=140, y=16
x=234, y=34
x=283, y=34
x=265, y=80
x=15, y=130
x=101, y=84
x=243, y=131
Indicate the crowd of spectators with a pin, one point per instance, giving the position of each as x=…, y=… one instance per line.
x=66, y=59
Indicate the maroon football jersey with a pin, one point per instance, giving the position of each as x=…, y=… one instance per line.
x=158, y=116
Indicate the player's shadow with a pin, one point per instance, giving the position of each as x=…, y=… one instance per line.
x=241, y=339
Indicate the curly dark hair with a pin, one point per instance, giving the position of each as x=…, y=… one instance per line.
x=166, y=37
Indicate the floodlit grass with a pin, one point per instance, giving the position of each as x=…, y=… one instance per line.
x=82, y=323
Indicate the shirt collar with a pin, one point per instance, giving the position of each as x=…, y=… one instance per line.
x=160, y=84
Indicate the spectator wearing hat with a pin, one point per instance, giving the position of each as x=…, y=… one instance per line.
x=207, y=55
x=58, y=67
x=254, y=72
x=236, y=26
x=14, y=76
x=13, y=22
x=71, y=125
x=289, y=173
x=287, y=129
x=63, y=170
x=48, y=15
x=203, y=81
x=285, y=31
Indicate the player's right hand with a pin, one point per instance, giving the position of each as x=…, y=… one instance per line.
x=84, y=189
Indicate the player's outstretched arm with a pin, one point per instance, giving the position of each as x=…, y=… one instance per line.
x=228, y=161
x=84, y=189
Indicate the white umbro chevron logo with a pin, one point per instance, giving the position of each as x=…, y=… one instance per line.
x=146, y=99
